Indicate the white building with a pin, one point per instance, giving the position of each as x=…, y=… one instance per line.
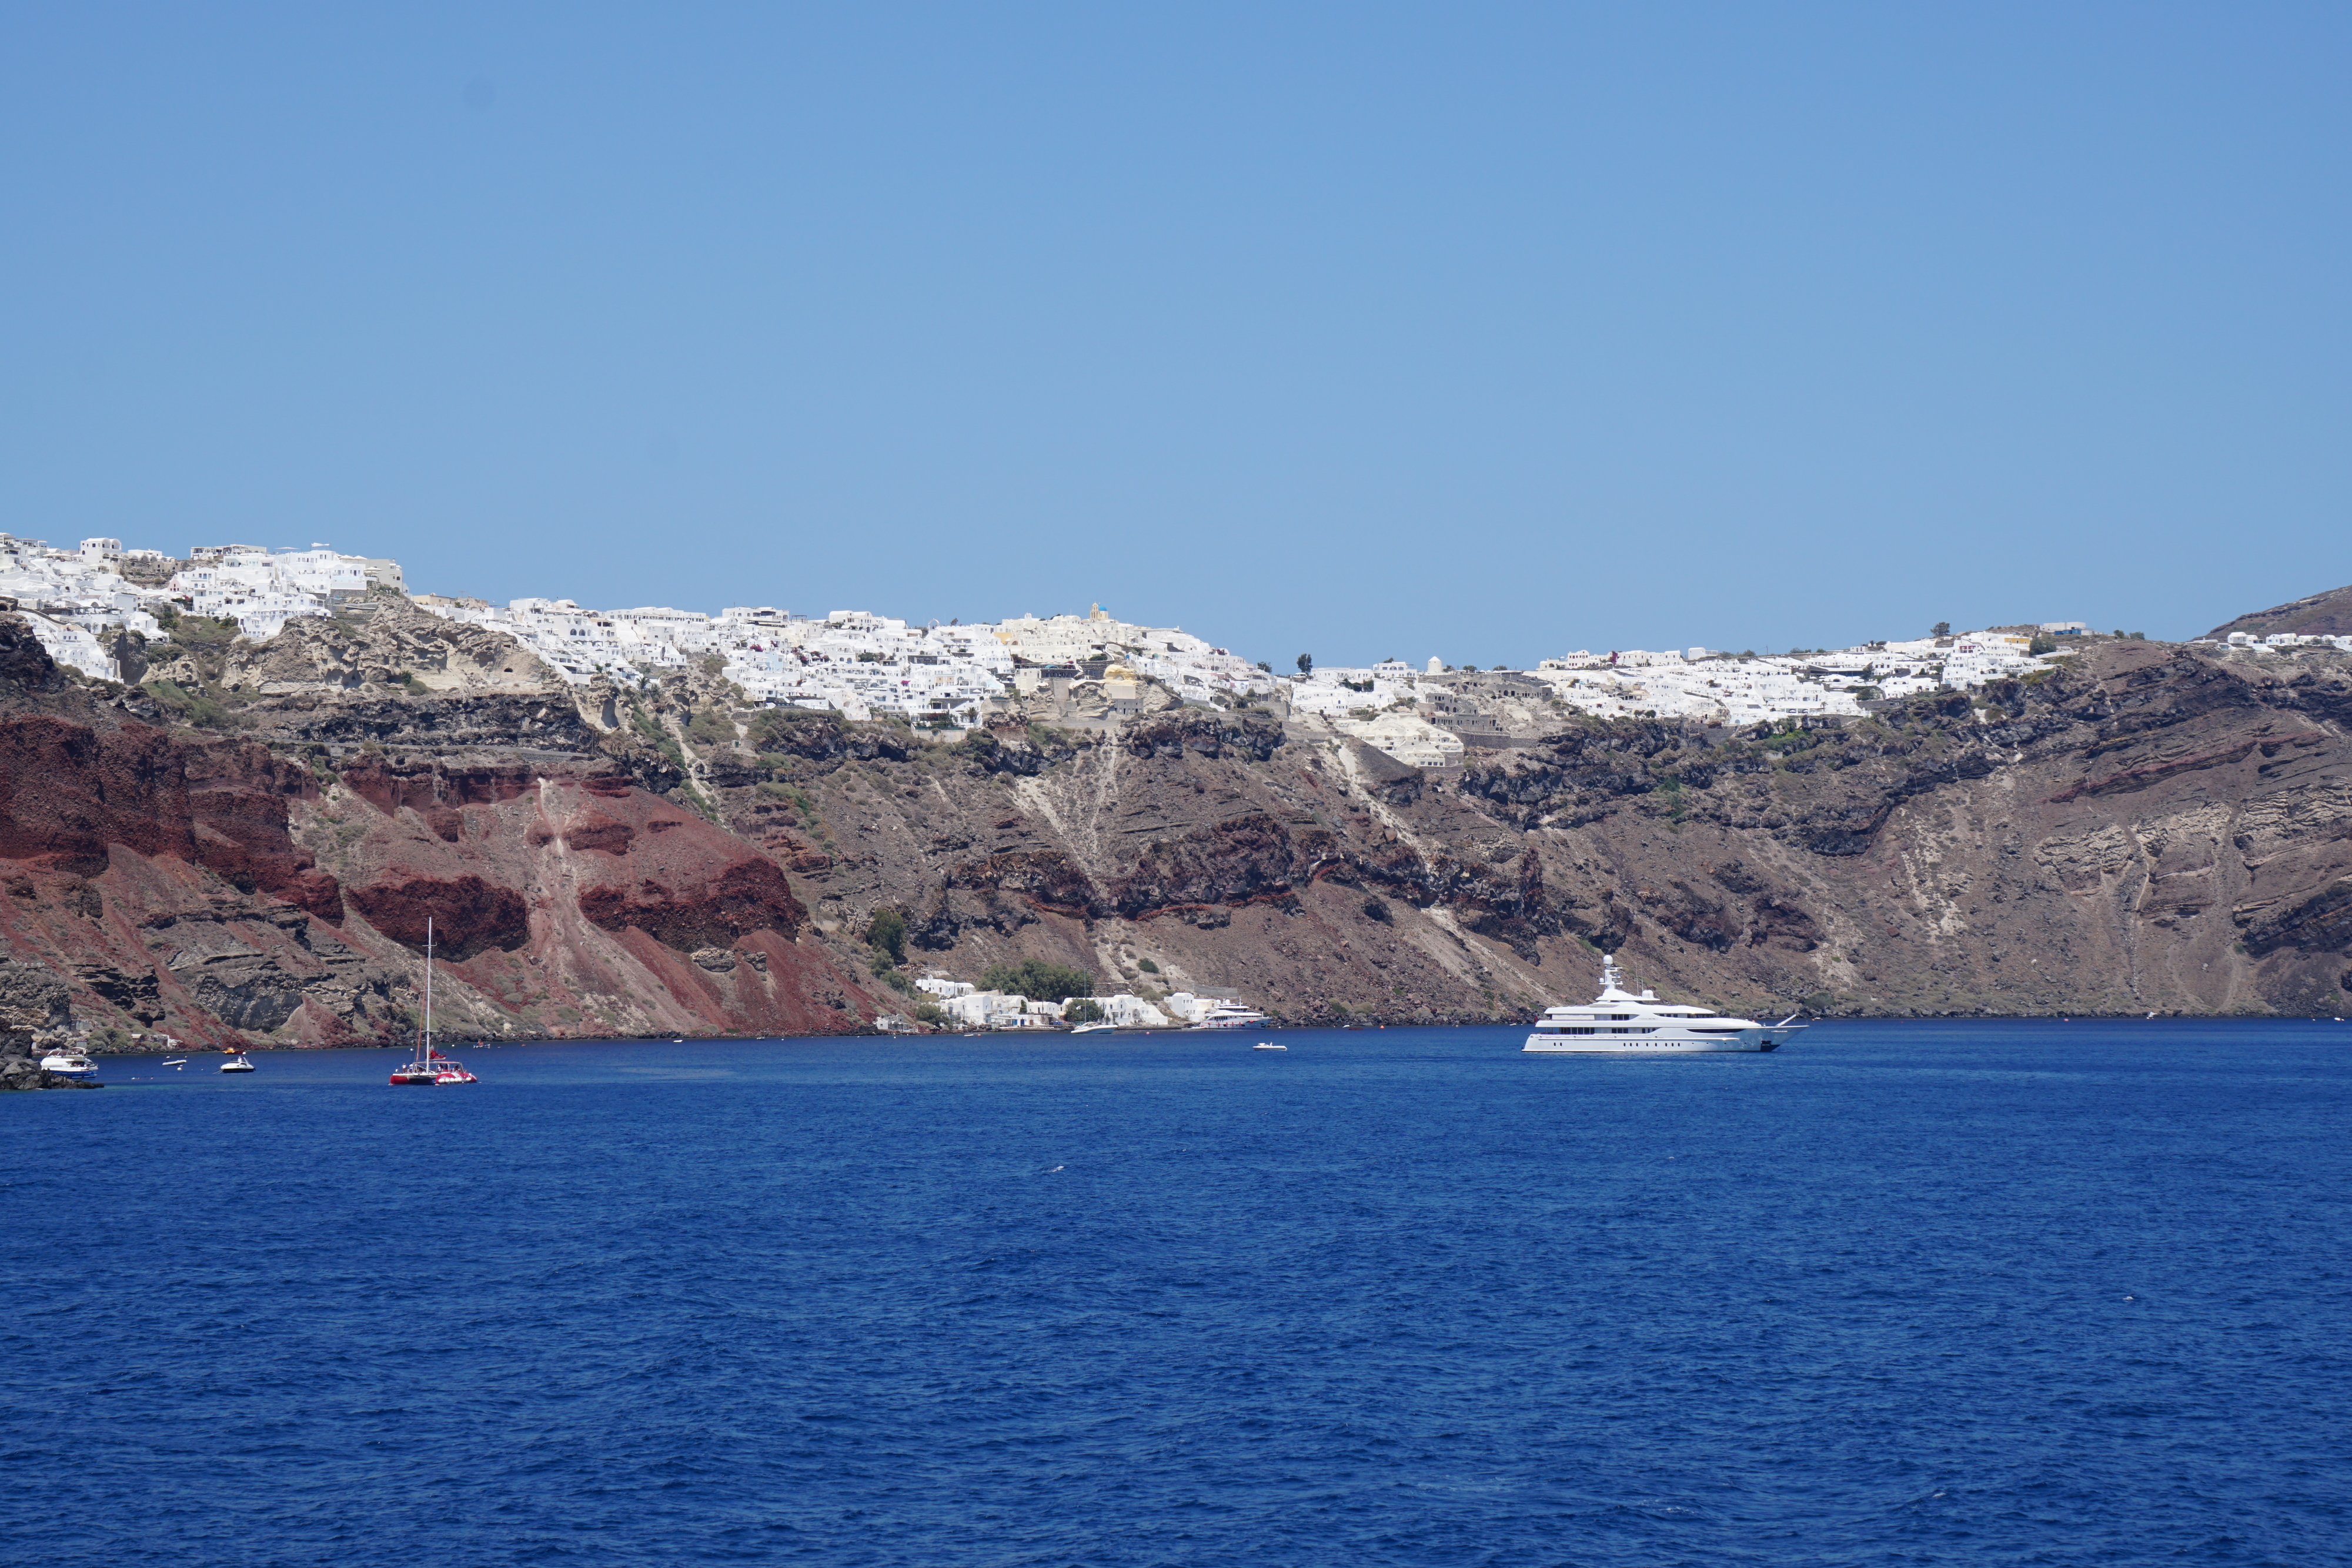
x=1131, y=1012
x=1407, y=736
x=1725, y=688
x=261, y=589
x=1332, y=690
x=1190, y=666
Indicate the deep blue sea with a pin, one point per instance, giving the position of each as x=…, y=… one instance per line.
x=1981, y=1293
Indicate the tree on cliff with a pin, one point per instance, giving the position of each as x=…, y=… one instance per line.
x=1306, y=664
x=1038, y=980
x=886, y=935
x=1943, y=629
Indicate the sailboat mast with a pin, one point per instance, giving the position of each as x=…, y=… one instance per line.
x=428, y=988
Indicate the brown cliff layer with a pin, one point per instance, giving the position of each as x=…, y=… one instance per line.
x=2155, y=828
x=2327, y=614
x=2152, y=829
x=230, y=891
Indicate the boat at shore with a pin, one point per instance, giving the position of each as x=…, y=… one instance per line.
x=1618, y=1023
x=1095, y=1028
x=69, y=1064
x=429, y=1069
x=1231, y=1015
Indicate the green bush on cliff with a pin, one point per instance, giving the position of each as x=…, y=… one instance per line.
x=1669, y=791
x=885, y=933
x=1038, y=980
x=200, y=631
x=199, y=709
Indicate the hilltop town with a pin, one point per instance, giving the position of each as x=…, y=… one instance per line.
x=1065, y=669
x=235, y=785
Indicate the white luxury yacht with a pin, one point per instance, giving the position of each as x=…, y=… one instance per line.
x=1618, y=1023
x=1230, y=1015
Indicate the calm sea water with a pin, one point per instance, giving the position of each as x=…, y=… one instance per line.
x=1921, y=1293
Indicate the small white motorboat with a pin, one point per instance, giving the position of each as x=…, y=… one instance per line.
x=237, y=1064
x=1095, y=1028
x=1268, y=1045
x=69, y=1064
x=175, y=1061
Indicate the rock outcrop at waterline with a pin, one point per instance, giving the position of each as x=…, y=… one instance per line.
x=35, y=1018
x=254, y=862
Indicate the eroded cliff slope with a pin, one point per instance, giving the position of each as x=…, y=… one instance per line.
x=267, y=885
x=2154, y=828
x=251, y=853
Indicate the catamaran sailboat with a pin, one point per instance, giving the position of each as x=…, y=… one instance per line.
x=1618, y=1023
x=430, y=1068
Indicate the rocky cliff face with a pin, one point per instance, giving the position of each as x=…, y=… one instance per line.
x=253, y=854
x=2152, y=829
x=35, y=1017
x=273, y=883
x=2327, y=614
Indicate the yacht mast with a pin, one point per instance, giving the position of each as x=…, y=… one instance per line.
x=428, y=989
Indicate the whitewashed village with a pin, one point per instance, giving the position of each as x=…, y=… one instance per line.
x=1072, y=670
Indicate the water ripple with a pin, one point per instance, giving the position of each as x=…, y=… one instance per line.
x=1985, y=1294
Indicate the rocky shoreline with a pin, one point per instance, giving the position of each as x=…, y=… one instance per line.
x=35, y=1018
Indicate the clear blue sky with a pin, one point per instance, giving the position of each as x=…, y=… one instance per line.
x=1487, y=331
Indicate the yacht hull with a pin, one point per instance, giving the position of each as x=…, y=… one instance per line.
x=1734, y=1045
x=1655, y=1049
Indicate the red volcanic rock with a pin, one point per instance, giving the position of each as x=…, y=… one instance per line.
x=561, y=904
x=428, y=786
x=67, y=792
x=749, y=896
x=318, y=894
x=469, y=915
x=599, y=832
x=615, y=885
